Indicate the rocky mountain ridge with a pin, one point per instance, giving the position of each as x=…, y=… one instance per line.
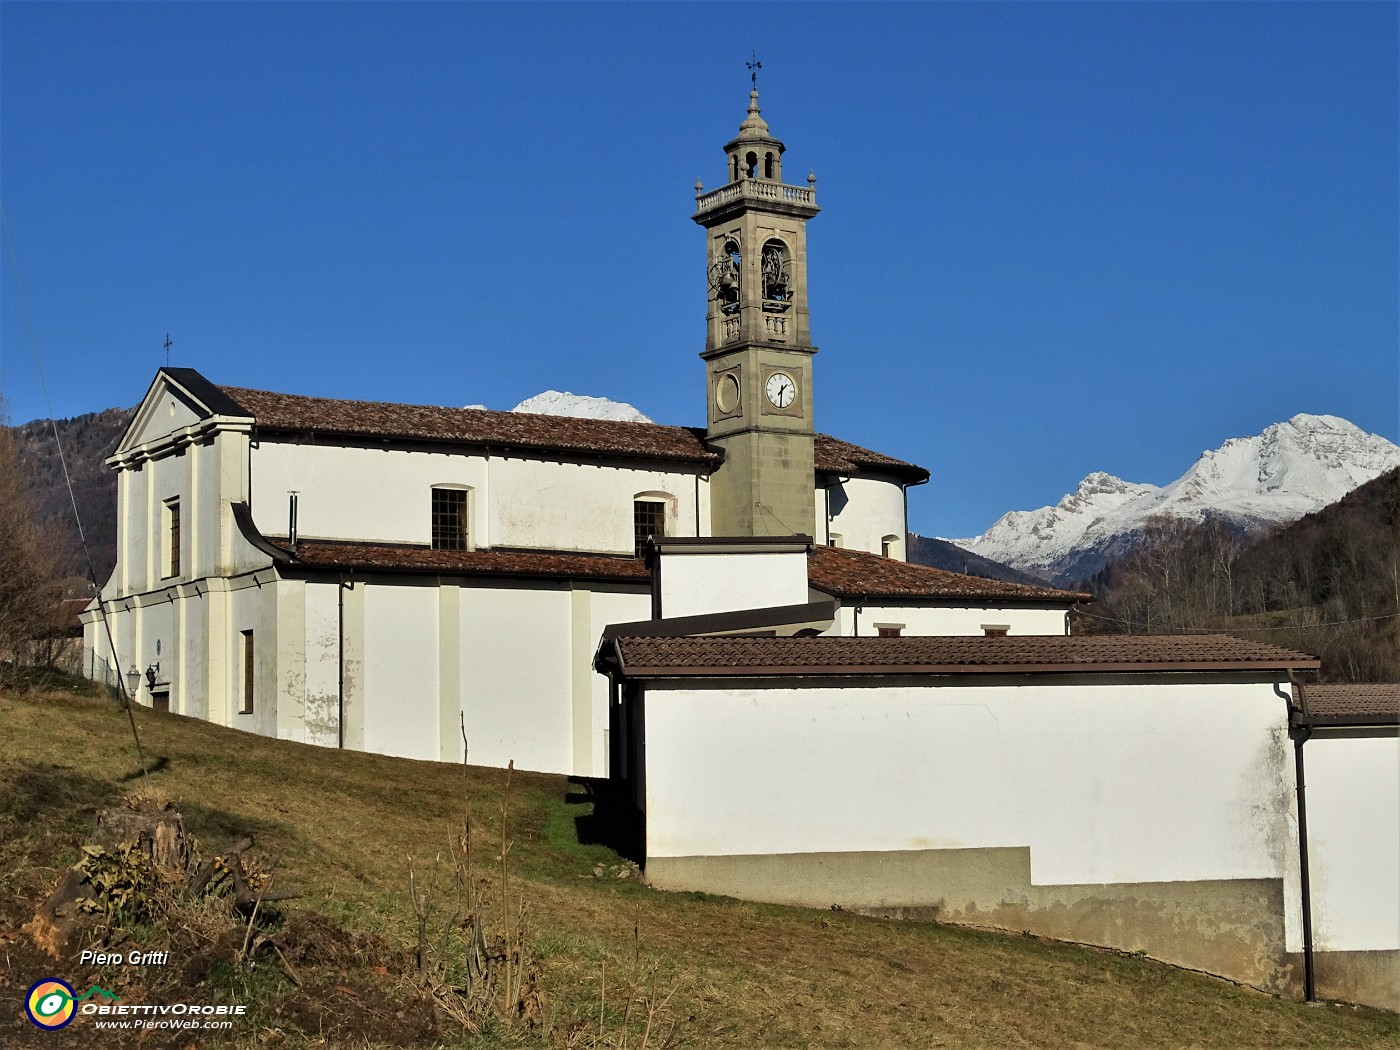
x=1290, y=469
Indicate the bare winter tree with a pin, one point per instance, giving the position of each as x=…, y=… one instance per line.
x=29, y=586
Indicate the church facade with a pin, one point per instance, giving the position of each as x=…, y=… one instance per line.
x=433, y=582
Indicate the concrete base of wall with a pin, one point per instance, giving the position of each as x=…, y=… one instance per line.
x=1372, y=978
x=1233, y=927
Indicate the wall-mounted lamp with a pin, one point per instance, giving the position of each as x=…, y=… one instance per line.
x=151, y=673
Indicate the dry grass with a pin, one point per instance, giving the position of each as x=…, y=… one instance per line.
x=340, y=826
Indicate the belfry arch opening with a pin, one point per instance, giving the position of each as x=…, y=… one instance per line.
x=775, y=266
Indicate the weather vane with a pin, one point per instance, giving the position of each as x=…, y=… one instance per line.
x=754, y=67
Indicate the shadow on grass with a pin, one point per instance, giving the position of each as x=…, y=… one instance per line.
x=612, y=822
x=153, y=765
x=41, y=794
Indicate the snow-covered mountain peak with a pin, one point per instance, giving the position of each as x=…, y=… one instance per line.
x=563, y=403
x=1288, y=470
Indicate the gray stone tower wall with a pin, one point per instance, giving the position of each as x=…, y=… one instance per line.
x=757, y=332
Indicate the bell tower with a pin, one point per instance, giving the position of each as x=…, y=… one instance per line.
x=758, y=345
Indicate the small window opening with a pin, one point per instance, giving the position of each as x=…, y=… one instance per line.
x=889, y=630
x=768, y=166
x=995, y=630
x=889, y=547
x=648, y=520
x=246, y=693
x=450, y=520
x=172, y=537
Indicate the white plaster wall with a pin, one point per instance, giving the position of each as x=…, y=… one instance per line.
x=1104, y=782
x=863, y=511
x=401, y=671
x=322, y=684
x=157, y=643
x=516, y=676
x=693, y=584
x=163, y=411
x=947, y=619
x=607, y=607
x=386, y=495
x=1353, y=790
x=193, y=671
x=571, y=506
x=250, y=608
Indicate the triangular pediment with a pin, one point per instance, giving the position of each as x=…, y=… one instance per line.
x=178, y=399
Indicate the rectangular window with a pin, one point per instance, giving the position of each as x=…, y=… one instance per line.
x=247, y=691
x=995, y=630
x=648, y=520
x=889, y=630
x=172, y=537
x=450, y=519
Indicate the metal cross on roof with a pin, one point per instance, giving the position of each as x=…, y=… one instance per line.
x=754, y=66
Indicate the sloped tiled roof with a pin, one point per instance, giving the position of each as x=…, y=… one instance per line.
x=840, y=573
x=834, y=456
x=1375, y=702
x=298, y=413
x=741, y=657
x=390, y=557
x=472, y=426
x=845, y=573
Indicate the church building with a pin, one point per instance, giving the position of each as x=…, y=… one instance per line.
x=396, y=578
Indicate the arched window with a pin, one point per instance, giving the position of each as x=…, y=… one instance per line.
x=892, y=547
x=776, y=267
x=751, y=165
x=724, y=278
x=768, y=165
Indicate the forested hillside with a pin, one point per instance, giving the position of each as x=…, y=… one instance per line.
x=87, y=441
x=1328, y=583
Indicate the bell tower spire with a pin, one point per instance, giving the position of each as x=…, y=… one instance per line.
x=758, y=343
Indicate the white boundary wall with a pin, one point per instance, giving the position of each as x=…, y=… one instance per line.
x=1353, y=792
x=1104, y=781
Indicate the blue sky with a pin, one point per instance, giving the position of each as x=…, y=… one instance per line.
x=1055, y=238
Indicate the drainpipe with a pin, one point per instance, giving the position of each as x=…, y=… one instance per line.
x=1300, y=734
x=904, y=488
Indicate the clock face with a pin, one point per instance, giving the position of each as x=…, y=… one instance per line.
x=780, y=389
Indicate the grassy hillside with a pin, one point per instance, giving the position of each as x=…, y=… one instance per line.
x=609, y=962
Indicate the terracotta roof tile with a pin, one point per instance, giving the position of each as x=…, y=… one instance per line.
x=834, y=456
x=840, y=573
x=471, y=426
x=474, y=426
x=403, y=558
x=846, y=573
x=740, y=657
x=1378, y=701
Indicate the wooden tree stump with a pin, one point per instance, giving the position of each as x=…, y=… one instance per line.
x=157, y=830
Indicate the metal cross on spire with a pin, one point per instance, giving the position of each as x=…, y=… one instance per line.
x=167, y=349
x=754, y=66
